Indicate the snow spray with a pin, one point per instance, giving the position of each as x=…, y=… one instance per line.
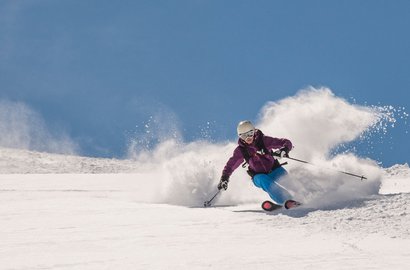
x=315, y=120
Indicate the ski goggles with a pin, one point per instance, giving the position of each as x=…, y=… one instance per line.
x=247, y=134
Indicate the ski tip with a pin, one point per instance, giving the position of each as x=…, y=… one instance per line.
x=270, y=206
x=289, y=204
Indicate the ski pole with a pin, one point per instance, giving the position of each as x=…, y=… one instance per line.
x=351, y=174
x=208, y=203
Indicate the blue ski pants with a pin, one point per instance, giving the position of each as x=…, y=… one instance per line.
x=268, y=182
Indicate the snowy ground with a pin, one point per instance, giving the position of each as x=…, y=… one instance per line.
x=108, y=221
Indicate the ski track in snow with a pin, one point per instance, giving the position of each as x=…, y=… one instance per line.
x=102, y=230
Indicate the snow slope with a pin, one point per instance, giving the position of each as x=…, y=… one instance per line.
x=111, y=221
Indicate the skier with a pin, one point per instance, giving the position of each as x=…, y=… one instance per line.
x=256, y=149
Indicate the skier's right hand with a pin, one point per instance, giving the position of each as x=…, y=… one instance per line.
x=223, y=183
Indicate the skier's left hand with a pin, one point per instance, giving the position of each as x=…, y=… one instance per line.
x=283, y=152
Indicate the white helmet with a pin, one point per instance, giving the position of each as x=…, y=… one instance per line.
x=244, y=126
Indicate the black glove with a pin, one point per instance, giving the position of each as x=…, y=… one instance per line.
x=283, y=152
x=223, y=183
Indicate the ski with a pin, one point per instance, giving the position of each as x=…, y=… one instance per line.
x=270, y=206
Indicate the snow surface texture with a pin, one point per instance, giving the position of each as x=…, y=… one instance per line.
x=70, y=212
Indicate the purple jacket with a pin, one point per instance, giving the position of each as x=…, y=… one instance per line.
x=259, y=163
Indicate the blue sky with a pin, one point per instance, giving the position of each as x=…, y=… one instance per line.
x=99, y=69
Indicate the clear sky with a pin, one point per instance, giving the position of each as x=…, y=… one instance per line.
x=99, y=69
